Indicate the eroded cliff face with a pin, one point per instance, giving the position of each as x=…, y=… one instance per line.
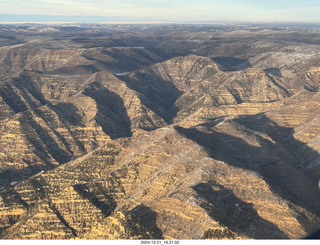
x=227, y=178
x=51, y=114
x=55, y=112
x=101, y=141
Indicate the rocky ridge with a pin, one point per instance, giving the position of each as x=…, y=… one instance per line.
x=185, y=147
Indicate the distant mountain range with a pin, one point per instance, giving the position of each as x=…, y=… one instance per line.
x=4, y=18
x=36, y=18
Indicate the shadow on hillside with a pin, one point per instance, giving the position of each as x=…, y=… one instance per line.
x=155, y=93
x=11, y=197
x=112, y=114
x=149, y=219
x=232, y=63
x=40, y=188
x=106, y=207
x=70, y=112
x=123, y=61
x=223, y=206
x=65, y=112
x=27, y=87
x=39, y=138
x=11, y=98
x=274, y=71
x=14, y=175
x=280, y=169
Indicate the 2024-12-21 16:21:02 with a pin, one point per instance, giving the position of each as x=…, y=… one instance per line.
x=160, y=242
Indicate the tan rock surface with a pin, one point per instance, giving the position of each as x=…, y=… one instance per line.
x=124, y=132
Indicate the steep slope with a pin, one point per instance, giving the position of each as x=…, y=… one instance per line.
x=190, y=85
x=223, y=179
x=121, y=59
x=16, y=58
x=102, y=139
x=252, y=86
x=312, y=78
x=302, y=114
x=64, y=111
x=161, y=84
x=52, y=119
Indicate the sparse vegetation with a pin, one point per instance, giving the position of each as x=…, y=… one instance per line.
x=159, y=132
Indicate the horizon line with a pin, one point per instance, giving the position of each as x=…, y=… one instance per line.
x=87, y=19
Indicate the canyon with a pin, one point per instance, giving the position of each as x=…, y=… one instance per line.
x=159, y=131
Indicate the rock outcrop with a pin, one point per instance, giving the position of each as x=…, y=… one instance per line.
x=160, y=132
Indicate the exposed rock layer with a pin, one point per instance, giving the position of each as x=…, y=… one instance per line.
x=129, y=136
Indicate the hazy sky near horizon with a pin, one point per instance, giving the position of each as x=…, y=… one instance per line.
x=172, y=10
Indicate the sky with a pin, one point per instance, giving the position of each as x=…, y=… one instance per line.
x=172, y=10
